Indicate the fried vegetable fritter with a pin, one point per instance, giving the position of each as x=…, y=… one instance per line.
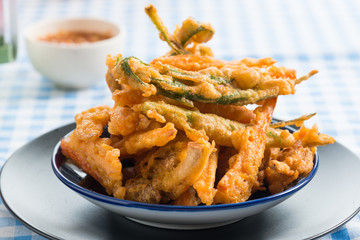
x=190, y=129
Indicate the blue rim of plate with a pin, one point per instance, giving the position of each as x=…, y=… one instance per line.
x=162, y=207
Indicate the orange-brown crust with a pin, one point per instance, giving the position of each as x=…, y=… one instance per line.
x=97, y=159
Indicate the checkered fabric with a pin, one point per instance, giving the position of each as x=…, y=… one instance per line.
x=301, y=34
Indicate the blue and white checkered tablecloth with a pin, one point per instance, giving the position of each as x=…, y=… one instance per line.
x=301, y=34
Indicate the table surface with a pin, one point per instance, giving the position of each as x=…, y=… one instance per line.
x=299, y=34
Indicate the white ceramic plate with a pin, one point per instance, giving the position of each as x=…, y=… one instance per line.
x=34, y=195
x=169, y=216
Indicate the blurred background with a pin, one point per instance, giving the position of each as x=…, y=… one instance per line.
x=299, y=34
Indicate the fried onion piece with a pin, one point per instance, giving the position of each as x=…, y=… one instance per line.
x=188, y=198
x=98, y=159
x=291, y=164
x=176, y=166
x=140, y=141
x=204, y=185
x=237, y=183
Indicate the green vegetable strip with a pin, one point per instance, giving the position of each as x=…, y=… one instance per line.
x=218, y=128
x=193, y=32
x=138, y=83
x=179, y=91
x=173, y=44
x=197, y=78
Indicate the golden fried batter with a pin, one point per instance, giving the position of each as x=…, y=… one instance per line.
x=169, y=115
x=204, y=185
x=188, y=198
x=291, y=163
x=237, y=183
x=90, y=123
x=123, y=121
x=94, y=154
x=176, y=166
x=140, y=141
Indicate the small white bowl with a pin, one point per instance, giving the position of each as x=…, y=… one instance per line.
x=73, y=66
x=169, y=216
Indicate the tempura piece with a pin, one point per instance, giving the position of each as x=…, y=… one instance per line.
x=285, y=82
x=127, y=98
x=98, y=159
x=176, y=166
x=94, y=154
x=309, y=137
x=216, y=128
x=291, y=164
x=123, y=121
x=193, y=31
x=204, y=185
x=141, y=141
x=90, y=123
x=109, y=76
x=237, y=183
x=157, y=143
x=208, y=89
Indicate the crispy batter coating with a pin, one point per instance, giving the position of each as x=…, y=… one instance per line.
x=188, y=198
x=204, y=185
x=142, y=190
x=140, y=141
x=110, y=76
x=309, y=137
x=123, y=121
x=291, y=164
x=98, y=159
x=94, y=154
x=240, y=114
x=90, y=123
x=156, y=144
x=193, y=62
x=237, y=183
x=127, y=98
x=176, y=166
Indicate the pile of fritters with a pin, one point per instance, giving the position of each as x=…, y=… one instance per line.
x=181, y=131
